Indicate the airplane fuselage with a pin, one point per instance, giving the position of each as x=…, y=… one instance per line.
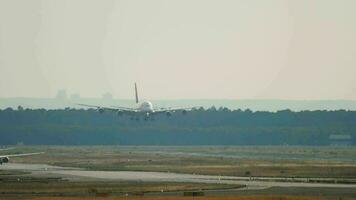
x=146, y=106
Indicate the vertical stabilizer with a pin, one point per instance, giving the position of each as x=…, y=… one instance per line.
x=136, y=95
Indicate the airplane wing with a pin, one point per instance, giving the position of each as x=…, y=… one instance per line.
x=18, y=155
x=6, y=149
x=114, y=108
x=125, y=108
x=158, y=110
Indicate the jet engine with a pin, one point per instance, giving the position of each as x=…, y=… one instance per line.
x=101, y=110
x=168, y=114
x=4, y=160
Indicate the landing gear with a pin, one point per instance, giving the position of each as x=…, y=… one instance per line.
x=149, y=118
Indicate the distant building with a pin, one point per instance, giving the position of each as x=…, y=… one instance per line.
x=107, y=96
x=61, y=95
x=340, y=139
x=75, y=96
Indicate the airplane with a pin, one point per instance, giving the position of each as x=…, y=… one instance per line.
x=144, y=109
x=5, y=149
x=6, y=158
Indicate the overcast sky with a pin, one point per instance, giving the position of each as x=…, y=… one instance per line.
x=179, y=49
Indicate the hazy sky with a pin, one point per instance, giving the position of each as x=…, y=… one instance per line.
x=235, y=49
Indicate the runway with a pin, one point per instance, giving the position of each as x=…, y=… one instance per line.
x=251, y=183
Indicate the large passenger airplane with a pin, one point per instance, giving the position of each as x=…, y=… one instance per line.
x=144, y=109
x=6, y=158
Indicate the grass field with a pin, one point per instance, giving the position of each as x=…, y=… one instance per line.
x=212, y=160
x=223, y=197
x=283, y=161
x=58, y=187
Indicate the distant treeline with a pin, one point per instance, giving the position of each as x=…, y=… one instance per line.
x=198, y=127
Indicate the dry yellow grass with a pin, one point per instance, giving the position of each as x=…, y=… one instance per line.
x=136, y=158
x=217, y=197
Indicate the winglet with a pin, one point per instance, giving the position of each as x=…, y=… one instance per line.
x=136, y=95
